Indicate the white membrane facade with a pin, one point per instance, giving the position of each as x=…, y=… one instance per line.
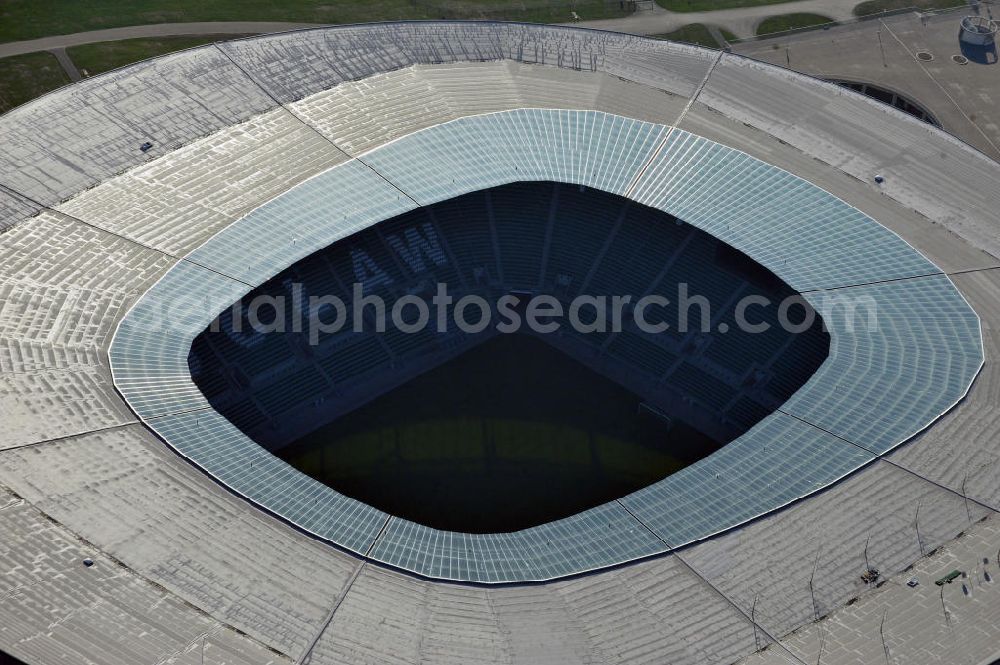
x=925, y=328
x=268, y=148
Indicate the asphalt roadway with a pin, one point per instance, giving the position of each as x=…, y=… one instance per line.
x=741, y=21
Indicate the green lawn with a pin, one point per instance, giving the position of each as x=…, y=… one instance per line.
x=876, y=6
x=488, y=441
x=29, y=19
x=482, y=474
x=710, y=5
x=104, y=56
x=696, y=33
x=24, y=77
x=791, y=22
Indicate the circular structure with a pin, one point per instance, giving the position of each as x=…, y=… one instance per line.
x=140, y=204
x=823, y=432
x=960, y=59
x=926, y=56
x=978, y=30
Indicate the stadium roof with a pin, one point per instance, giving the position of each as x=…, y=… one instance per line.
x=878, y=387
x=94, y=223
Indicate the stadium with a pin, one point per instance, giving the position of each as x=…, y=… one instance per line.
x=162, y=498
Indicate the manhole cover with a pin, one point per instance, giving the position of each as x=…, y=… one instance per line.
x=925, y=56
x=960, y=59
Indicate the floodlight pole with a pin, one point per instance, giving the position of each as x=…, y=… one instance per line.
x=965, y=495
x=812, y=591
x=881, y=632
x=881, y=48
x=867, y=541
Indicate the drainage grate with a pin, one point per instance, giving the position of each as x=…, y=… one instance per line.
x=960, y=59
x=925, y=56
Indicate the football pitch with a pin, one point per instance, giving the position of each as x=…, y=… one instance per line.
x=508, y=435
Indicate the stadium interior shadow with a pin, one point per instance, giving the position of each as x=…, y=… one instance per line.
x=486, y=432
x=510, y=434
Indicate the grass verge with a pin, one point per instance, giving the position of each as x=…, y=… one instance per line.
x=696, y=33
x=785, y=22
x=711, y=5
x=100, y=57
x=24, y=77
x=877, y=6
x=31, y=19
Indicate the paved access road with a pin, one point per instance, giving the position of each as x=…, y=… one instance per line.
x=139, y=31
x=742, y=22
